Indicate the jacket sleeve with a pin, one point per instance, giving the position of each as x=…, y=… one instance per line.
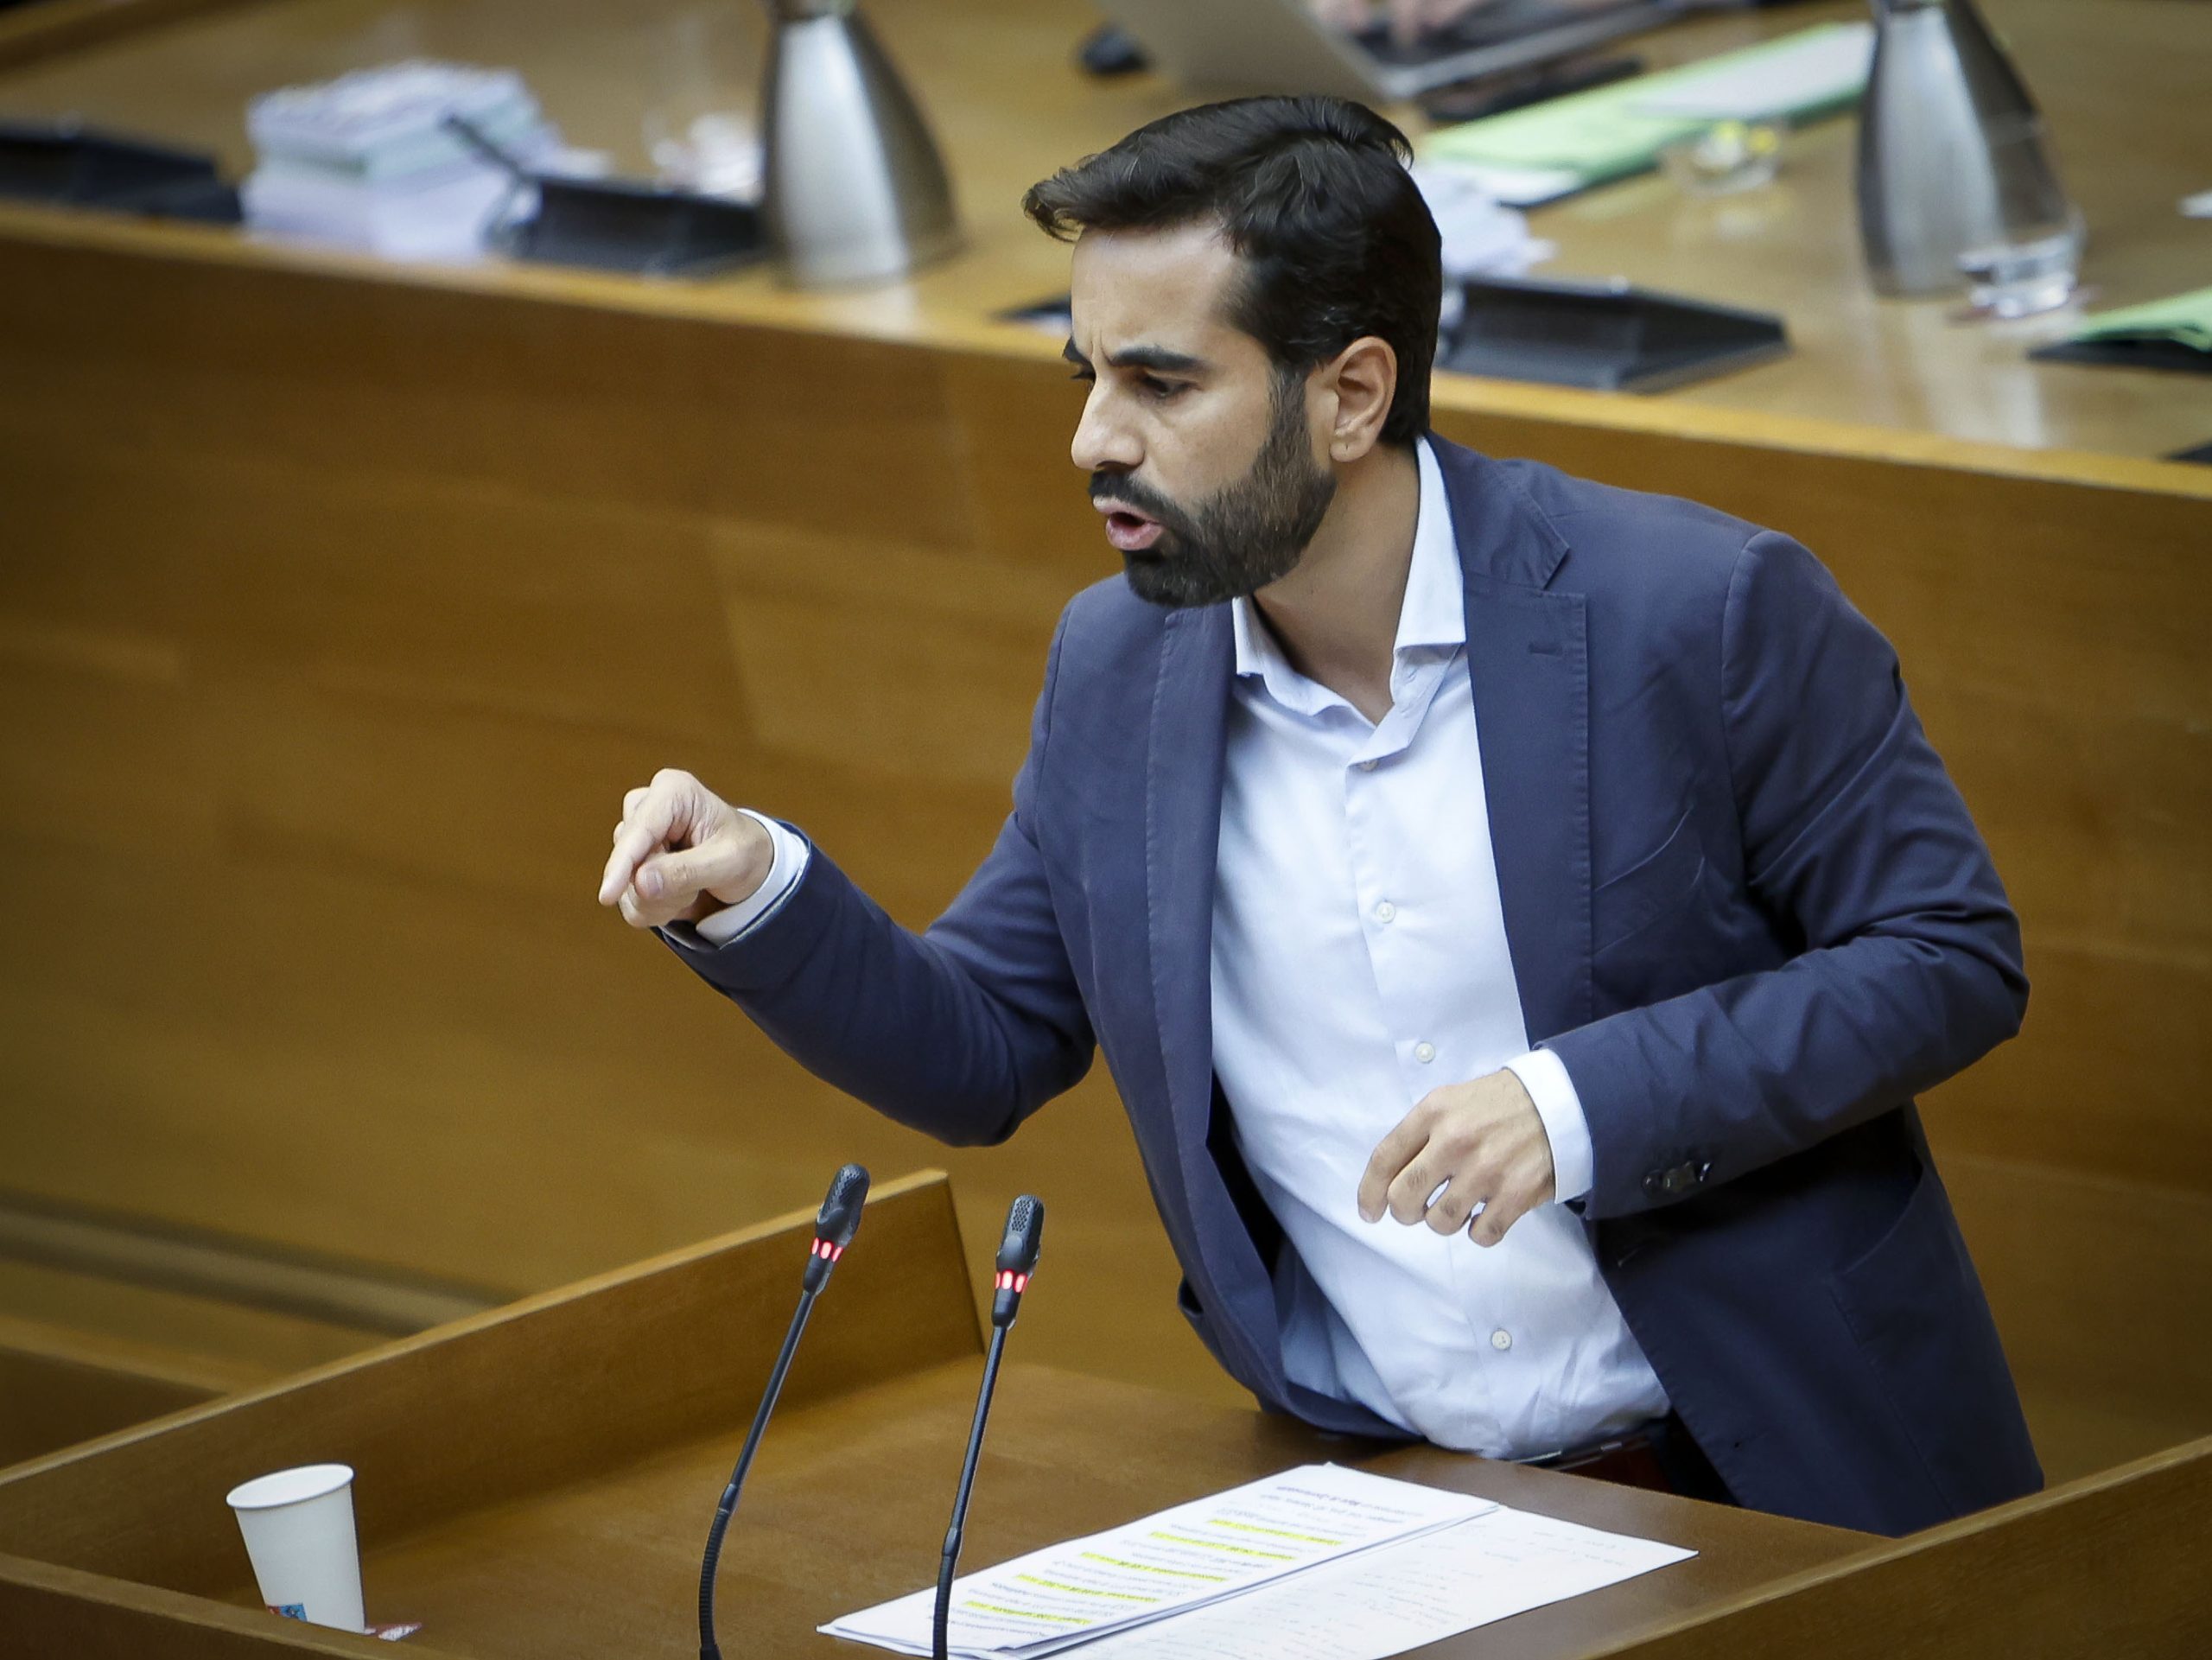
x=1857, y=843
x=960, y=1031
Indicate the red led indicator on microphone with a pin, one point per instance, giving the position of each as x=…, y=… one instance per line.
x=827, y=1252
x=1009, y=1280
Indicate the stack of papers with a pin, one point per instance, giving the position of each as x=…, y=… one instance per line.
x=368, y=161
x=1481, y=236
x=1318, y=1561
x=1404, y=1596
x=1554, y=148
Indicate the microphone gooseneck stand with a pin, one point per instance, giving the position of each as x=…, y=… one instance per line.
x=834, y=1224
x=1017, y=1261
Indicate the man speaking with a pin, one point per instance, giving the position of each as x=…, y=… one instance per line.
x=1518, y=912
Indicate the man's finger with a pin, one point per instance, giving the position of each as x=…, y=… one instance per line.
x=632, y=847
x=658, y=813
x=1410, y=1194
x=631, y=798
x=681, y=876
x=1452, y=1212
x=1500, y=1214
x=641, y=912
x=1390, y=1157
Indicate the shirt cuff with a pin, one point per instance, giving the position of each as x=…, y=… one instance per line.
x=1544, y=1075
x=718, y=928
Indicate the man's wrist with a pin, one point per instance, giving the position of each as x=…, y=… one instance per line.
x=788, y=854
x=1544, y=1075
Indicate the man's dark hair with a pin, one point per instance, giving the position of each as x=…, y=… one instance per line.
x=1313, y=194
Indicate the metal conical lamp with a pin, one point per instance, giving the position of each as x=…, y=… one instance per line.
x=1953, y=163
x=855, y=189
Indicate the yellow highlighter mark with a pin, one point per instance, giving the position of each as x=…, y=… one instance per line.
x=1222, y=1544
x=1085, y=1590
x=1146, y=1568
x=1021, y=1613
x=1280, y=1533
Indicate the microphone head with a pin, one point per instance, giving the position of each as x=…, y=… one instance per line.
x=839, y=1219
x=1025, y=1234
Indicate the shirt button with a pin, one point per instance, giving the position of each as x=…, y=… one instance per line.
x=1501, y=1339
x=1366, y=767
x=1424, y=1053
x=1385, y=911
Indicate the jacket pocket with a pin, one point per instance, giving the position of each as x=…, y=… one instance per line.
x=1914, y=1305
x=1653, y=888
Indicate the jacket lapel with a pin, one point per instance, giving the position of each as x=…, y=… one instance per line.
x=1182, y=829
x=1527, y=657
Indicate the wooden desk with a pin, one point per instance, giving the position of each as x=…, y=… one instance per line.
x=59, y=1387
x=2118, y=82
x=339, y=604
x=538, y=1482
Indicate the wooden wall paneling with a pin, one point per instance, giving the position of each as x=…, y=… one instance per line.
x=358, y=605
x=2099, y=1289
x=224, y=1344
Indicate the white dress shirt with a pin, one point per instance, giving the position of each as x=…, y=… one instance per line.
x=1359, y=962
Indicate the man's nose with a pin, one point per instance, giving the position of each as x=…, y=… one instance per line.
x=1103, y=443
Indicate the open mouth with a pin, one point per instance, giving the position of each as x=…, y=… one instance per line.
x=1131, y=532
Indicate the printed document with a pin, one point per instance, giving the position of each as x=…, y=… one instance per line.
x=1319, y=1563
x=1183, y=1558
x=1404, y=1596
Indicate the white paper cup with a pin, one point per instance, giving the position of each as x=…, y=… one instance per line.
x=299, y=1532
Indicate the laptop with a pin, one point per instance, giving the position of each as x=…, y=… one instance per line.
x=1275, y=46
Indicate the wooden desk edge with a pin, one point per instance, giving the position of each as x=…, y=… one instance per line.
x=980, y=334
x=43, y=1602
x=2093, y=1493
x=916, y=1184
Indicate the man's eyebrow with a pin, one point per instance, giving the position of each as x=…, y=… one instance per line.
x=1157, y=359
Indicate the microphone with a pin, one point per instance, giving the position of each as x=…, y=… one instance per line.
x=1017, y=1265
x=834, y=1224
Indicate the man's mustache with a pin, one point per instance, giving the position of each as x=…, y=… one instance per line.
x=1135, y=496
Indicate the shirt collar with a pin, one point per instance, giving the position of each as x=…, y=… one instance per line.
x=1433, y=613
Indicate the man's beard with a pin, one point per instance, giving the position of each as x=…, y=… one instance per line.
x=1246, y=534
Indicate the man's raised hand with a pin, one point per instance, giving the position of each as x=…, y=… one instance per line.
x=682, y=853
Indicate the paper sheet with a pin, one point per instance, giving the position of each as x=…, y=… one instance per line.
x=1402, y=1596
x=1610, y=131
x=2184, y=319
x=1179, y=1559
x=1818, y=70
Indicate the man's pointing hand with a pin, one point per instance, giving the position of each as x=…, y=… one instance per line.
x=682, y=853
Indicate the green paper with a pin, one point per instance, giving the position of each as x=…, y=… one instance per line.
x=1597, y=135
x=2184, y=319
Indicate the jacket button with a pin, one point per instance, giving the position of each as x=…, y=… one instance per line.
x=1682, y=1179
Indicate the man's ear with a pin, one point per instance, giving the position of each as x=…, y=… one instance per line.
x=1364, y=380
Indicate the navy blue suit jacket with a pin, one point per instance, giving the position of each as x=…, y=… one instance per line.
x=1744, y=904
